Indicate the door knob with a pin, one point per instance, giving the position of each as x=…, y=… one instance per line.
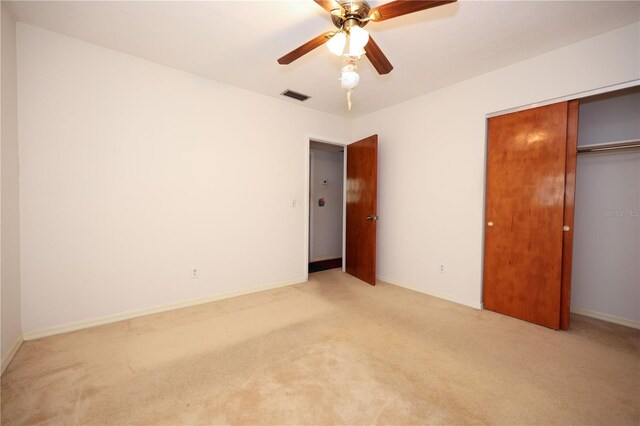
x=372, y=217
x=489, y=223
x=566, y=228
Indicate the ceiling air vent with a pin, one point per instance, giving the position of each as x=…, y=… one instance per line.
x=295, y=95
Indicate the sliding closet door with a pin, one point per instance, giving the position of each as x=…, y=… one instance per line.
x=526, y=166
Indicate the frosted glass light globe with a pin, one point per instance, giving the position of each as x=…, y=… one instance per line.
x=350, y=77
x=337, y=43
x=358, y=39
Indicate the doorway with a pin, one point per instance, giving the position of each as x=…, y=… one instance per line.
x=326, y=206
x=606, y=276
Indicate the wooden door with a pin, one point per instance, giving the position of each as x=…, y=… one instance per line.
x=525, y=207
x=362, y=181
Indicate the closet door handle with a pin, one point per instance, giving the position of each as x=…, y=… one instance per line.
x=566, y=228
x=489, y=223
x=372, y=217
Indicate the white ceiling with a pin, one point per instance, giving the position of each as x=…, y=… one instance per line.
x=238, y=42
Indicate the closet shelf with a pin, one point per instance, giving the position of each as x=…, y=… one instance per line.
x=609, y=146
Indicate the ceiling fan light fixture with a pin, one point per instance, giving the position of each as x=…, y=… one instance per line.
x=337, y=43
x=358, y=39
x=354, y=52
x=350, y=77
x=350, y=40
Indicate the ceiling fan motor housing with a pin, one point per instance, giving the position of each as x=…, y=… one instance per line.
x=352, y=13
x=349, y=16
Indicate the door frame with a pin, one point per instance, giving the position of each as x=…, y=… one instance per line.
x=572, y=97
x=307, y=197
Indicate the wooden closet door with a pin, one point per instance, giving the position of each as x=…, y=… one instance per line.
x=526, y=165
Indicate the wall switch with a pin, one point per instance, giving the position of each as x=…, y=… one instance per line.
x=195, y=273
x=441, y=269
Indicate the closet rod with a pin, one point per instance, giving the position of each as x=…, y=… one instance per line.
x=610, y=146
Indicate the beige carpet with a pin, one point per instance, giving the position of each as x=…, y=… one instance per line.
x=334, y=351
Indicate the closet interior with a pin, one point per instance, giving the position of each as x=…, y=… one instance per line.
x=606, y=239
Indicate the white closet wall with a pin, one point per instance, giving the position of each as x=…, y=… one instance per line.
x=610, y=117
x=606, y=266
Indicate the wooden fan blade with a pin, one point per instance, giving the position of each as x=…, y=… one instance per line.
x=328, y=5
x=305, y=48
x=377, y=58
x=404, y=7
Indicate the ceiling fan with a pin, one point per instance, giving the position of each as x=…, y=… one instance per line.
x=351, y=40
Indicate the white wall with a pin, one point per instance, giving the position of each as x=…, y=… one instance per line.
x=432, y=159
x=606, y=271
x=326, y=222
x=10, y=218
x=606, y=249
x=132, y=174
x=610, y=117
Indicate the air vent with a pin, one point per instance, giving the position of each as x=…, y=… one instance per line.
x=295, y=95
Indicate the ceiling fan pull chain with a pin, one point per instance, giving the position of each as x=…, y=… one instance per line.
x=349, y=99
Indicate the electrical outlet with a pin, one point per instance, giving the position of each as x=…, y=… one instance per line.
x=195, y=273
x=441, y=269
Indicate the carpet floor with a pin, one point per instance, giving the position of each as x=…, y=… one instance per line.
x=333, y=351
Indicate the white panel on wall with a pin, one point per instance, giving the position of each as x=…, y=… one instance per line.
x=606, y=248
x=326, y=205
x=133, y=174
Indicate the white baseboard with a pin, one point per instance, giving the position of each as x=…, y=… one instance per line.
x=93, y=322
x=14, y=349
x=474, y=305
x=606, y=317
